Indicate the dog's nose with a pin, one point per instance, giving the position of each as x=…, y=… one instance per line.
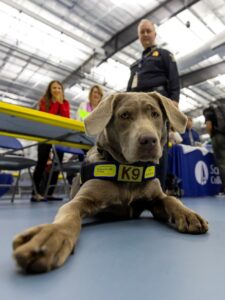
x=147, y=140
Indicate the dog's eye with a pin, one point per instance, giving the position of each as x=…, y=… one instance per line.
x=125, y=115
x=154, y=114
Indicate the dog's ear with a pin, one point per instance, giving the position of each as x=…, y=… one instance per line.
x=100, y=116
x=176, y=118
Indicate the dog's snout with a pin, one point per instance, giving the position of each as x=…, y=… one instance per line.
x=147, y=140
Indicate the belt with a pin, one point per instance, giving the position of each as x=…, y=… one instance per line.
x=159, y=89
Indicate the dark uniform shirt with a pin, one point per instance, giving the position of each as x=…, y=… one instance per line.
x=156, y=70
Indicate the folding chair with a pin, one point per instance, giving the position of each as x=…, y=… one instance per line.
x=12, y=161
x=70, y=166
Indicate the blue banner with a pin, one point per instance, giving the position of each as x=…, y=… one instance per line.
x=196, y=169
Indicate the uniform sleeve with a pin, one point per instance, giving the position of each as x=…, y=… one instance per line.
x=64, y=109
x=173, y=84
x=133, y=69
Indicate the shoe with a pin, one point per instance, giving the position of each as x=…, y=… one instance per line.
x=38, y=198
x=222, y=194
x=52, y=198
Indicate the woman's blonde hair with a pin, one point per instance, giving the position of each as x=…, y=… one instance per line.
x=99, y=88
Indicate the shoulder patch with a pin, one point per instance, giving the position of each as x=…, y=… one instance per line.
x=172, y=57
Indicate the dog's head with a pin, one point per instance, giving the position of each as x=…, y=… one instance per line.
x=132, y=126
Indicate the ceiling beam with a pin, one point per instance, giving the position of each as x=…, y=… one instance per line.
x=35, y=59
x=128, y=35
x=21, y=90
x=199, y=76
x=38, y=17
x=159, y=15
x=199, y=111
x=214, y=46
x=26, y=94
x=203, y=74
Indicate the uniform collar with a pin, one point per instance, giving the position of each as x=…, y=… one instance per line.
x=148, y=50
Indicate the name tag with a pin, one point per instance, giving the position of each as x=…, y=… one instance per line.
x=130, y=173
x=149, y=172
x=105, y=170
x=135, y=81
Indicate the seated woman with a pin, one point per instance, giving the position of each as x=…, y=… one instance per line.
x=94, y=97
x=85, y=108
x=52, y=102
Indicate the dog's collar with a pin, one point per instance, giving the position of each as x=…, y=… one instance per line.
x=137, y=172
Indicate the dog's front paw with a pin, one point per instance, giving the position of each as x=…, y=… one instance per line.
x=188, y=221
x=42, y=248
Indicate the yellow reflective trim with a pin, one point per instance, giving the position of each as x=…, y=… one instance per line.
x=149, y=172
x=105, y=170
x=45, y=118
x=130, y=173
x=83, y=113
x=39, y=116
x=37, y=139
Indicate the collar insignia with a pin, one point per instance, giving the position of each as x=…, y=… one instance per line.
x=155, y=53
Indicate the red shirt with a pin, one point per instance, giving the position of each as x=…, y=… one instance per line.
x=56, y=108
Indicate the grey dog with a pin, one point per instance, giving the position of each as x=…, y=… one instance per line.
x=119, y=173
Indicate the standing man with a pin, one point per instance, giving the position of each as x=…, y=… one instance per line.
x=217, y=135
x=155, y=71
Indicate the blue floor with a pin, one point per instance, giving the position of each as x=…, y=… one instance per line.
x=137, y=259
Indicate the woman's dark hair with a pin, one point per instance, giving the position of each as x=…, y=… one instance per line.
x=47, y=95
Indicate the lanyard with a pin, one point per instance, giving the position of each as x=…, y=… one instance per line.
x=149, y=53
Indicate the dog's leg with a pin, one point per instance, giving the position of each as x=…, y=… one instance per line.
x=45, y=247
x=171, y=209
x=185, y=220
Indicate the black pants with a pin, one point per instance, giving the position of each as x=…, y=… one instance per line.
x=43, y=155
x=161, y=169
x=218, y=143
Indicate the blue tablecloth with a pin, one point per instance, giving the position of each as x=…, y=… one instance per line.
x=196, y=169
